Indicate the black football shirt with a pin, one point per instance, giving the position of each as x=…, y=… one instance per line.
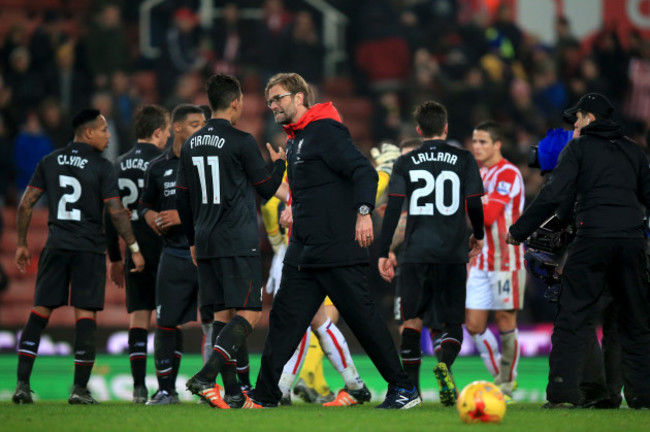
x=436, y=178
x=131, y=168
x=77, y=180
x=219, y=166
x=159, y=194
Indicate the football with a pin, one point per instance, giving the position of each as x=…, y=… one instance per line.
x=481, y=402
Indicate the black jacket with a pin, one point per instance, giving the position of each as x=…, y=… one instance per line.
x=609, y=175
x=329, y=179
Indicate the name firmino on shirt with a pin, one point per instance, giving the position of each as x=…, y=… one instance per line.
x=435, y=157
x=207, y=140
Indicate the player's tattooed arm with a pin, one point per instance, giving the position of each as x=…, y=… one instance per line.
x=122, y=223
x=23, y=256
x=400, y=232
x=120, y=219
x=24, y=215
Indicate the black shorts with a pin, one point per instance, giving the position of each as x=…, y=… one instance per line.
x=206, y=312
x=231, y=283
x=79, y=276
x=430, y=318
x=177, y=289
x=435, y=292
x=140, y=287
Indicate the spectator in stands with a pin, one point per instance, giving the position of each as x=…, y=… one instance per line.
x=269, y=36
x=519, y=110
x=7, y=109
x=549, y=93
x=27, y=88
x=612, y=60
x=182, y=50
x=382, y=56
x=231, y=41
x=46, y=40
x=118, y=143
x=30, y=146
x=186, y=88
x=107, y=48
x=303, y=50
x=16, y=37
x=55, y=122
x=125, y=97
x=508, y=33
x=6, y=163
x=68, y=82
x=638, y=102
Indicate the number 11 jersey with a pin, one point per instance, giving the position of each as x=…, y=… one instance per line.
x=77, y=180
x=436, y=178
x=219, y=167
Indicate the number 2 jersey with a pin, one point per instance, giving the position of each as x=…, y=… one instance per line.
x=436, y=178
x=220, y=166
x=77, y=180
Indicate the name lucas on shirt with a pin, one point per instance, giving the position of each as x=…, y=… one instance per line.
x=434, y=157
x=134, y=163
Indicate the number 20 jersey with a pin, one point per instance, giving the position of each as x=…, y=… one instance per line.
x=77, y=180
x=436, y=178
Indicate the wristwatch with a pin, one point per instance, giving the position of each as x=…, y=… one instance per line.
x=364, y=210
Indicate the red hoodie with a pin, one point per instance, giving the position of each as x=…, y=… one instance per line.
x=318, y=112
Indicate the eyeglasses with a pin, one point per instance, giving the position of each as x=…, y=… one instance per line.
x=276, y=99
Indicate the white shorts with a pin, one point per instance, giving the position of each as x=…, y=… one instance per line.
x=495, y=290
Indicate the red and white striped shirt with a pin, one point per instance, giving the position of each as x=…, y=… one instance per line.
x=503, y=203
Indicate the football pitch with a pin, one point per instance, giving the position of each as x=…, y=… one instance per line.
x=111, y=385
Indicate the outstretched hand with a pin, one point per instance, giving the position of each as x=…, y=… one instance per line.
x=275, y=155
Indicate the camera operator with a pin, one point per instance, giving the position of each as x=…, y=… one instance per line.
x=610, y=178
x=601, y=382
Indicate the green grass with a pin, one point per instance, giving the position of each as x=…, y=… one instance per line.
x=122, y=416
x=111, y=383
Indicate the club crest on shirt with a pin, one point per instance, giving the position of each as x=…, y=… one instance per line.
x=503, y=188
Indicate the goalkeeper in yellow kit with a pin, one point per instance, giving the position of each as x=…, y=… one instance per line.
x=312, y=386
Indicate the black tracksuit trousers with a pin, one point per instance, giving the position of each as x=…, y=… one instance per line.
x=294, y=306
x=593, y=262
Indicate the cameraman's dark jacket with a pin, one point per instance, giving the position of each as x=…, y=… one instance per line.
x=609, y=175
x=329, y=179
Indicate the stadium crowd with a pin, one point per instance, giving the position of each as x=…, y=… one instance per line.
x=478, y=64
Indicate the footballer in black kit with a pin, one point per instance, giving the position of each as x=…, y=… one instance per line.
x=220, y=168
x=80, y=185
x=438, y=180
x=176, y=283
x=151, y=125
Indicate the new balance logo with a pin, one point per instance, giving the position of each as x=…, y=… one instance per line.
x=401, y=399
x=168, y=172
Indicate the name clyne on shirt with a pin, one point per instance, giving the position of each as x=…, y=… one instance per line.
x=76, y=161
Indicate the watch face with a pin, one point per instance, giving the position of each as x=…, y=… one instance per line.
x=364, y=210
